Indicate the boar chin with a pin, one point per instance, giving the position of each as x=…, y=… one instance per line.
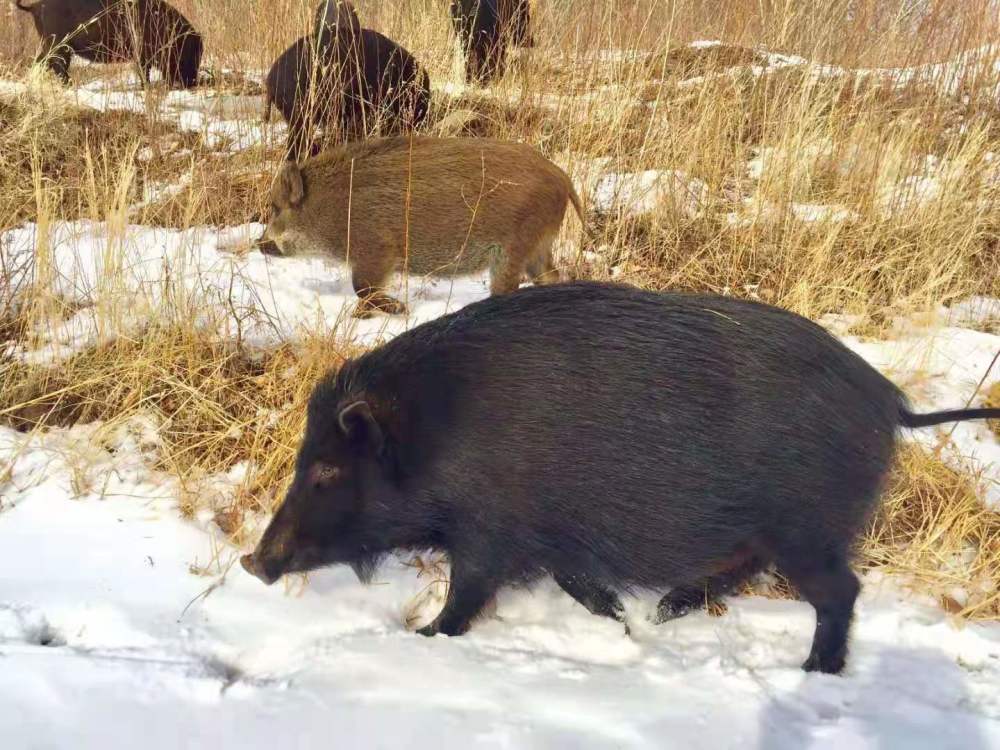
x=364, y=567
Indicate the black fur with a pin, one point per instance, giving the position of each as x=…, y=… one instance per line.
x=356, y=79
x=486, y=29
x=614, y=438
x=150, y=33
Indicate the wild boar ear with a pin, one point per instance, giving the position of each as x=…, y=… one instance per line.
x=347, y=20
x=359, y=426
x=289, y=184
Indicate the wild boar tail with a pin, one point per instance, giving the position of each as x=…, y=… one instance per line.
x=909, y=419
x=574, y=198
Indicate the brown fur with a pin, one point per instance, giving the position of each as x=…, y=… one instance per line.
x=441, y=206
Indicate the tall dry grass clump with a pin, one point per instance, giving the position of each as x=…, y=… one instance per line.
x=933, y=529
x=826, y=155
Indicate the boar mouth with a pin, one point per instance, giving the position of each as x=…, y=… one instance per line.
x=270, y=570
x=253, y=566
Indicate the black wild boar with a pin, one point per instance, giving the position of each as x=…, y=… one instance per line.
x=612, y=437
x=486, y=29
x=343, y=75
x=150, y=33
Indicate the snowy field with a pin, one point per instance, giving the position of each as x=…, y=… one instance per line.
x=124, y=625
x=121, y=623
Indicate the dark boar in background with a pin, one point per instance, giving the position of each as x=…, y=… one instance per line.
x=486, y=29
x=150, y=33
x=614, y=438
x=356, y=80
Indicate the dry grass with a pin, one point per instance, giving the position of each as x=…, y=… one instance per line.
x=81, y=156
x=933, y=529
x=762, y=144
x=993, y=400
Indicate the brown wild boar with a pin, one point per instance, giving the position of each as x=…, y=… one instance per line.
x=441, y=206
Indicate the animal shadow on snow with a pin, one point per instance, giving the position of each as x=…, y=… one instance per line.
x=913, y=698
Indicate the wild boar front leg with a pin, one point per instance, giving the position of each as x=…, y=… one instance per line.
x=55, y=57
x=469, y=590
x=596, y=598
x=368, y=276
x=681, y=600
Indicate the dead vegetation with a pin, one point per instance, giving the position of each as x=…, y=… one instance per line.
x=83, y=157
x=993, y=400
x=933, y=529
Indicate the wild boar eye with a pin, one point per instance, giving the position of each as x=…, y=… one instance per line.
x=323, y=475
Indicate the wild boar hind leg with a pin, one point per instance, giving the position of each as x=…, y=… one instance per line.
x=507, y=266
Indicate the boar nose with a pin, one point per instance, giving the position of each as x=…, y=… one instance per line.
x=253, y=565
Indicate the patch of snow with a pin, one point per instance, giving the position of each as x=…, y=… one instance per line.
x=980, y=65
x=141, y=273
x=227, y=121
x=753, y=212
x=636, y=194
x=909, y=193
x=822, y=213
x=805, y=159
x=973, y=312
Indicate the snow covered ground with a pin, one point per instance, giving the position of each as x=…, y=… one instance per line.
x=121, y=623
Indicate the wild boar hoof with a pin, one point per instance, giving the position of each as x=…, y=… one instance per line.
x=390, y=306
x=668, y=611
x=830, y=665
x=428, y=630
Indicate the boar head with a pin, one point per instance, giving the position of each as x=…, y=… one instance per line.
x=339, y=506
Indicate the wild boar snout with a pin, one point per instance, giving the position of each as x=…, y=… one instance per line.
x=275, y=552
x=267, y=569
x=268, y=246
x=251, y=566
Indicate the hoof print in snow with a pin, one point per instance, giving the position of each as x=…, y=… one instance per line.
x=37, y=630
x=228, y=674
x=49, y=637
x=830, y=665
